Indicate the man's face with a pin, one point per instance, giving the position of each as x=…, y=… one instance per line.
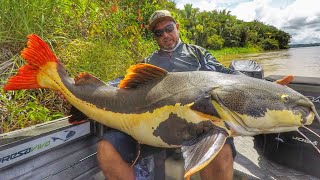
x=166, y=34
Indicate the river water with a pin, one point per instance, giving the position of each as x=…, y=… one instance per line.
x=303, y=61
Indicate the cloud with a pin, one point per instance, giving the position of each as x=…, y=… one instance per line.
x=300, y=18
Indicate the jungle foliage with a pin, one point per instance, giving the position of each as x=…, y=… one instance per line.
x=105, y=37
x=219, y=29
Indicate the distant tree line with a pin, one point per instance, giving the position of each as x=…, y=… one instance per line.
x=304, y=45
x=219, y=29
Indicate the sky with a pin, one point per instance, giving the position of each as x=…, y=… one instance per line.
x=299, y=18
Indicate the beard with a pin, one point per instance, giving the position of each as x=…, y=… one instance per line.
x=169, y=44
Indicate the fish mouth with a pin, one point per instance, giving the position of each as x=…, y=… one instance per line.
x=301, y=110
x=308, y=112
x=305, y=112
x=309, y=118
x=241, y=128
x=314, y=110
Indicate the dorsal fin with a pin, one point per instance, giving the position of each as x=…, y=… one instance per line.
x=140, y=74
x=86, y=79
x=285, y=81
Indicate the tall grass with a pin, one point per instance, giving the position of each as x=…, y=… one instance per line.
x=21, y=17
x=102, y=59
x=20, y=109
x=99, y=37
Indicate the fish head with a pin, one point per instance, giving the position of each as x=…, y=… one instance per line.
x=258, y=107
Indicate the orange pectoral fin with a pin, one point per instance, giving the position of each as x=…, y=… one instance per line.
x=285, y=81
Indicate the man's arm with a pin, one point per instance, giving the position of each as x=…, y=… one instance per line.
x=210, y=63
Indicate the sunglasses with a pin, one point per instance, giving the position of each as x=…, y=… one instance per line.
x=167, y=29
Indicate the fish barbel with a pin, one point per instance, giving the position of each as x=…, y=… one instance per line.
x=195, y=110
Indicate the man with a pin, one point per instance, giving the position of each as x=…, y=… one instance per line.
x=173, y=56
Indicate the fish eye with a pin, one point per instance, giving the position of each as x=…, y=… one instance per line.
x=285, y=97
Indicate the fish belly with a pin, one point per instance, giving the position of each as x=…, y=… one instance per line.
x=163, y=127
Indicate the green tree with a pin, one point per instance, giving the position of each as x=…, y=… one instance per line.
x=270, y=44
x=215, y=42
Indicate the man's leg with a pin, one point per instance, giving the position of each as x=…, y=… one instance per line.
x=114, y=152
x=221, y=168
x=111, y=163
x=117, y=151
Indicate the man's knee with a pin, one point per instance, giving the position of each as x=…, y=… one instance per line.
x=105, y=150
x=103, y=144
x=221, y=167
x=111, y=163
x=124, y=144
x=224, y=158
x=108, y=156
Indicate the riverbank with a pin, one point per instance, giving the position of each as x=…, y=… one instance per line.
x=224, y=55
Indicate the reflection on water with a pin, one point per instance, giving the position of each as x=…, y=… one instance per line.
x=295, y=61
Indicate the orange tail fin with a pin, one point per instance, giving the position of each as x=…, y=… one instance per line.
x=37, y=54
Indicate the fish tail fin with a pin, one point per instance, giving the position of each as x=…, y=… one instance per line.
x=37, y=73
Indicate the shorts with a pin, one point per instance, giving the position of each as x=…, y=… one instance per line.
x=150, y=164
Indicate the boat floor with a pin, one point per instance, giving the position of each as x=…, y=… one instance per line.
x=249, y=161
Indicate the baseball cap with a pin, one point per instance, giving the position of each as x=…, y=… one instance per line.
x=158, y=16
